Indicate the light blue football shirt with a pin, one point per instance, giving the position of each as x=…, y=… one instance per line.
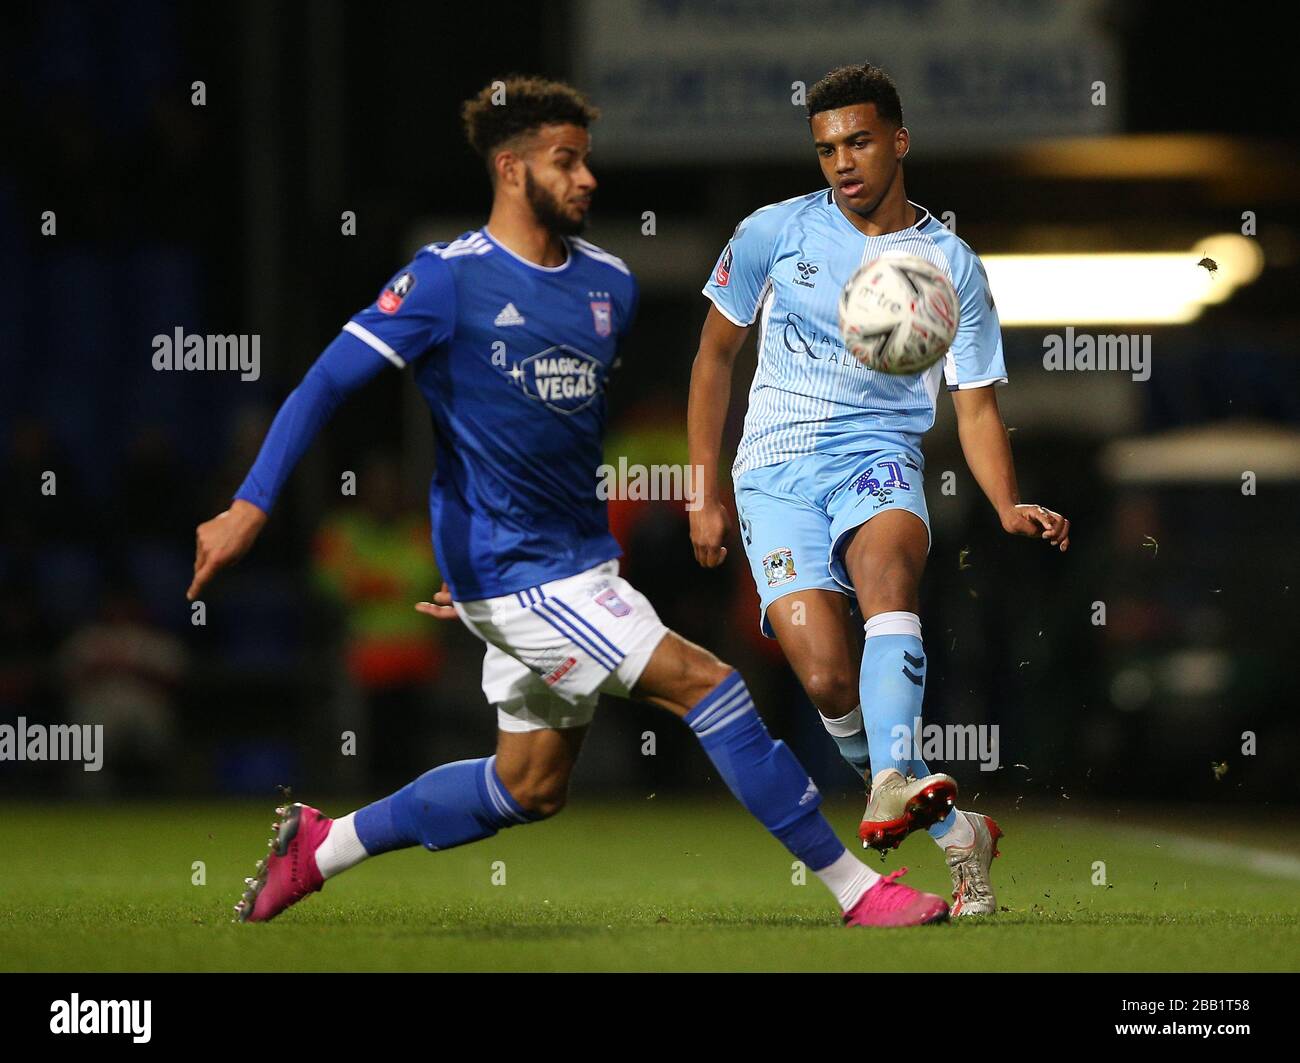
x=784, y=267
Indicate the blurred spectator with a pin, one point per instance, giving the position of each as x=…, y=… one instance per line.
x=123, y=673
x=26, y=642
x=373, y=558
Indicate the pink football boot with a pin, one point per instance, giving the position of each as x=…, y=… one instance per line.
x=889, y=903
x=289, y=872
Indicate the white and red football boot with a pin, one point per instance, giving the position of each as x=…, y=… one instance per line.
x=972, y=892
x=899, y=806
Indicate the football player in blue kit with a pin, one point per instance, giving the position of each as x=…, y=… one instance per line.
x=828, y=474
x=510, y=332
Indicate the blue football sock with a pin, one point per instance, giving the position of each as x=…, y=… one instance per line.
x=892, y=685
x=451, y=805
x=763, y=774
x=851, y=738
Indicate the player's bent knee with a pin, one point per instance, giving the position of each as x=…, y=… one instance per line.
x=891, y=589
x=707, y=680
x=681, y=674
x=540, y=789
x=832, y=691
x=545, y=806
x=704, y=673
x=541, y=799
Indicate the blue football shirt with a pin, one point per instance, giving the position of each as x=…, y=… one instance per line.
x=512, y=358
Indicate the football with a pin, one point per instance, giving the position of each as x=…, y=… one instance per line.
x=898, y=314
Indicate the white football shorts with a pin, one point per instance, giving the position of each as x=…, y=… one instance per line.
x=552, y=650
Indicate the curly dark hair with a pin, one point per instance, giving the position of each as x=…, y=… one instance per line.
x=529, y=103
x=846, y=85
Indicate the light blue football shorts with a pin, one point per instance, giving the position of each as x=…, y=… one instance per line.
x=796, y=517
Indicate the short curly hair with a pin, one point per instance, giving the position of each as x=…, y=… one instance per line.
x=517, y=105
x=846, y=85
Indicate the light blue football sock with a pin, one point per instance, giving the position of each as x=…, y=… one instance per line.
x=892, y=685
x=893, y=688
x=920, y=770
x=451, y=805
x=764, y=775
x=851, y=738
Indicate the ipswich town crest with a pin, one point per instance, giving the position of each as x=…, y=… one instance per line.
x=610, y=600
x=602, y=317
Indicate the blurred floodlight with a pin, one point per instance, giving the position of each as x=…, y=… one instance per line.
x=1146, y=288
x=1217, y=453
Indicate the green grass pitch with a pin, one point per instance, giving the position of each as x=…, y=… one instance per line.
x=637, y=886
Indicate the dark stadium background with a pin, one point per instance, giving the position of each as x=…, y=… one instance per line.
x=226, y=219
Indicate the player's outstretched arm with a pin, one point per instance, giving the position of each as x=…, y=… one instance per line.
x=706, y=413
x=343, y=367
x=987, y=448
x=223, y=540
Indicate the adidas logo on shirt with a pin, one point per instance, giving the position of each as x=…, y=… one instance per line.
x=508, y=316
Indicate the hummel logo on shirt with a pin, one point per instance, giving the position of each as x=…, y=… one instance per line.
x=509, y=316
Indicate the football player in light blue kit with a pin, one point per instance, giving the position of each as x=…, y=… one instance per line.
x=828, y=475
x=510, y=332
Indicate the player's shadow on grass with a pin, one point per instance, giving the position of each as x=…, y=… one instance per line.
x=543, y=923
